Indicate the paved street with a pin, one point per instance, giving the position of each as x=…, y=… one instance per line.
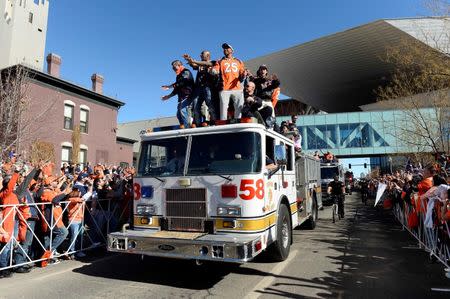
x=366, y=255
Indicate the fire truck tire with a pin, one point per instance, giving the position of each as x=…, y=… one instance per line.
x=279, y=250
x=312, y=221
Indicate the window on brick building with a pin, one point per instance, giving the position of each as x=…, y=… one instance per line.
x=84, y=120
x=66, y=154
x=68, y=117
x=82, y=157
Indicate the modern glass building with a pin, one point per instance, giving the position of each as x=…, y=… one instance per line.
x=356, y=133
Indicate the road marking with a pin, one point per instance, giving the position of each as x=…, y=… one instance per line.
x=440, y=290
x=267, y=281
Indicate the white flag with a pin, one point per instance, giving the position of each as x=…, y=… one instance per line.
x=380, y=191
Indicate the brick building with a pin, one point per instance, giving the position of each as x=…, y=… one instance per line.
x=55, y=107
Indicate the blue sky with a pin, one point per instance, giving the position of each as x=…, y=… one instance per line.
x=131, y=43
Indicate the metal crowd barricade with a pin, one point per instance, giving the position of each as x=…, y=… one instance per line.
x=95, y=225
x=434, y=240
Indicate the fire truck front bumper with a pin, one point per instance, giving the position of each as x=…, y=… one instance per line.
x=225, y=248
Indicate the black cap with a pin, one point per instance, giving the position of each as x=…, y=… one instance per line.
x=227, y=46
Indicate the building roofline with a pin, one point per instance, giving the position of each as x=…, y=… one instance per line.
x=125, y=140
x=68, y=86
x=339, y=72
x=343, y=31
x=146, y=120
x=315, y=40
x=415, y=18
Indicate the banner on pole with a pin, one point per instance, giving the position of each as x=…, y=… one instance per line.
x=380, y=191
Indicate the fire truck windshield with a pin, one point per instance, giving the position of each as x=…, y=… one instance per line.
x=228, y=153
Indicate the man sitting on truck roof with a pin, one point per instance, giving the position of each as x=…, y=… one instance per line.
x=266, y=86
x=255, y=107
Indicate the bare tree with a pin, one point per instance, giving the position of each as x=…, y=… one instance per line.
x=420, y=87
x=438, y=7
x=18, y=124
x=13, y=91
x=76, y=141
x=42, y=151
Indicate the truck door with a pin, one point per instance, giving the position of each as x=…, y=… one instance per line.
x=272, y=183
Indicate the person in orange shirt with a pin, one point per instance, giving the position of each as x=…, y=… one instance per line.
x=7, y=197
x=231, y=73
x=423, y=187
x=53, y=212
x=76, y=207
x=445, y=216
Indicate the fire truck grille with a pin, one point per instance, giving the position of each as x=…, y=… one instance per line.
x=186, y=209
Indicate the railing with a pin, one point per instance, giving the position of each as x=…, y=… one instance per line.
x=434, y=238
x=98, y=218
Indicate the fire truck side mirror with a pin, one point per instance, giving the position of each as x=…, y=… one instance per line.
x=280, y=154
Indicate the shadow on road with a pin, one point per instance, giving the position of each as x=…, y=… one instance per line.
x=375, y=258
x=169, y=272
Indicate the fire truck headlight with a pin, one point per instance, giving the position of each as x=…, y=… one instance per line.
x=229, y=211
x=145, y=209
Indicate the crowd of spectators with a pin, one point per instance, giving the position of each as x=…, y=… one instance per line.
x=226, y=87
x=422, y=194
x=47, y=213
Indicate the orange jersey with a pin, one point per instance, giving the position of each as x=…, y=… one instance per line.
x=48, y=196
x=8, y=197
x=76, y=209
x=230, y=70
x=47, y=170
x=423, y=187
x=275, y=96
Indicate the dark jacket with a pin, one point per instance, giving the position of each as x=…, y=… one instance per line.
x=248, y=110
x=184, y=85
x=264, y=87
x=204, y=78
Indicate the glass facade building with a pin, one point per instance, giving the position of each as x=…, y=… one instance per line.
x=354, y=133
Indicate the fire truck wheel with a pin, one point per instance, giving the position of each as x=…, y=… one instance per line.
x=279, y=250
x=311, y=224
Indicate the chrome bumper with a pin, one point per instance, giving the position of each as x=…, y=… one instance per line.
x=225, y=248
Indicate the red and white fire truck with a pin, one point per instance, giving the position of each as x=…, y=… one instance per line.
x=214, y=193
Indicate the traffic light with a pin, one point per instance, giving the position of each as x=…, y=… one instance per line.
x=349, y=166
x=365, y=165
